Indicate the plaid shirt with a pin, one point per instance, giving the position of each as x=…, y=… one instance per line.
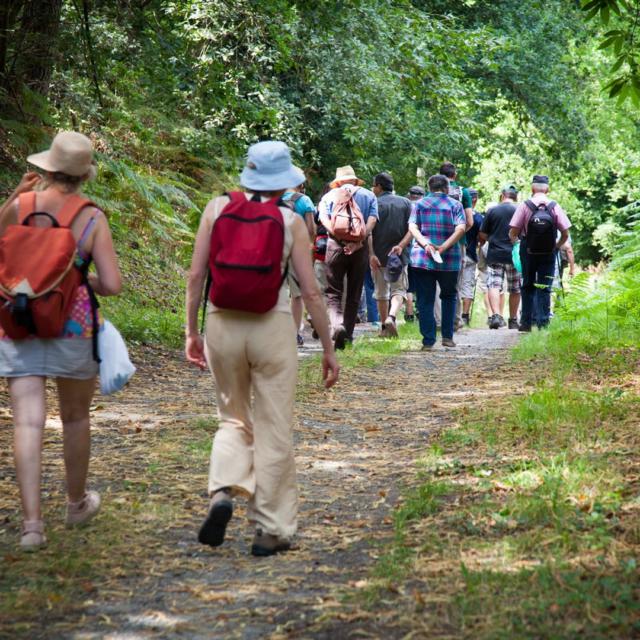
x=437, y=216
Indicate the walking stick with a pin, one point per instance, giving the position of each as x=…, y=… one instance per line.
x=473, y=299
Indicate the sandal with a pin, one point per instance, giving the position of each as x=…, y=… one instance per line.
x=32, y=535
x=81, y=512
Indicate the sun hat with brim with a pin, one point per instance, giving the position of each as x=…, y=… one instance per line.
x=344, y=174
x=70, y=153
x=269, y=168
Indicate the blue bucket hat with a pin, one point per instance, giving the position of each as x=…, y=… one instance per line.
x=269, y=168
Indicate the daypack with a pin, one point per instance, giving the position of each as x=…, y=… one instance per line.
x=38, y=271
x=247, y=242
x=347, y=221
x=291, y=202
x=321, y=240
x=541, y=228
x=455, y=192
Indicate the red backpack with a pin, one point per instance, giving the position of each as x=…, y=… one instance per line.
x=247, y=242
x=38, y=272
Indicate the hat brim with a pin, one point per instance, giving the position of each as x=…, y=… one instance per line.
x=256, y=181
x=338, y=181
x=42, y=160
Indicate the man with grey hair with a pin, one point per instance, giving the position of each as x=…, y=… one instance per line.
x=536, y=222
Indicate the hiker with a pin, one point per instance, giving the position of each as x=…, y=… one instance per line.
x=462, y=194
x=414, y=194
x=249, y=345
x=347, y=250
x=567, y=259
x=389, y=252
x=437, y=224
x=470, y=262
x=495, y=231
x=45, y=350
x=301, y=204
x=536, y=222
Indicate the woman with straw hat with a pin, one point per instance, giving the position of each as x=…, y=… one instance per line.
x=253, y=355
x=70, y=357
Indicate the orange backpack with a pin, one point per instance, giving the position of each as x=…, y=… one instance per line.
x=347, y=221
x=38, y=271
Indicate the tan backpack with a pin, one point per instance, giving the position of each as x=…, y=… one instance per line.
x=347, y=221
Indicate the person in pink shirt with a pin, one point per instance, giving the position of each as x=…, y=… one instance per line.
x=537, y=222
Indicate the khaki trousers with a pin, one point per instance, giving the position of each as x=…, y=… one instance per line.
x=255, y=355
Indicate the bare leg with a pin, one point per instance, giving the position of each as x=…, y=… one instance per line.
x=29, y=414
x=409, y=309
x=75, y=400
x=466, y=305
x=495, y=301
x=396, y=305
x=514, y=303
x=383, y=310
x=296, y=312
x=501, y=312
x=487, y=304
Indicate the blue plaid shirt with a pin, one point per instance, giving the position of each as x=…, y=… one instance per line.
x=437, y=216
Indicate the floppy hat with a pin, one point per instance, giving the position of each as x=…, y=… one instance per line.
x=345, y=173
x=269, y=168
x=70, y=153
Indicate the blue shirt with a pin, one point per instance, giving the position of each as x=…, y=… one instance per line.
x=437, y=216
x=303, y=204
x=365, y=199
x=472, y=236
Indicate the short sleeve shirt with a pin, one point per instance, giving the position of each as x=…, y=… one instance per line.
x=302, y=206
x=437, y=216
x=496, y=227
x=520, y=218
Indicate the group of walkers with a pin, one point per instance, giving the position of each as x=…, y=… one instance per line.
x=260, y=257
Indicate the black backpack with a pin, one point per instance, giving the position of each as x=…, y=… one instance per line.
x=542, y=228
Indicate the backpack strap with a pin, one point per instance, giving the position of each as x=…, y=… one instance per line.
x=73, y=205
x=531, y=206
x=235, y=196
x=26, y=205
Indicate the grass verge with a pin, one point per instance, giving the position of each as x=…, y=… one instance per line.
x=526, y=520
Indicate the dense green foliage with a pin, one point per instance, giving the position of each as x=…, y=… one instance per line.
x=172, y=92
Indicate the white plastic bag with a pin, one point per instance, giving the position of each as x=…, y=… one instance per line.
x=115, y=367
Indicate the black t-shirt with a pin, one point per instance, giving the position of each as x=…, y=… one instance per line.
x=392, y=226
x=496, y=226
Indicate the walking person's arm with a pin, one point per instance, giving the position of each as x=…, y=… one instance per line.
x=458, y=232
x=571, y=258
x=402, y=245
x=194, y=347
x=313, y=300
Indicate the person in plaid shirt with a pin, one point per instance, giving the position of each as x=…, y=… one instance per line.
x=437, y=223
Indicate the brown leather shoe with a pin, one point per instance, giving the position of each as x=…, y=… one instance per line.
x=215, y=525
x=448, y=342
x=266, y=544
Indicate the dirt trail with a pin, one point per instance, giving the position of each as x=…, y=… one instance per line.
x=356, y=448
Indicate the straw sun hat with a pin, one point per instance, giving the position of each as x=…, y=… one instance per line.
x=345, y=173
x=70, y=153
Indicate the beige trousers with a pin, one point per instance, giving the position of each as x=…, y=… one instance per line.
x=254, y=356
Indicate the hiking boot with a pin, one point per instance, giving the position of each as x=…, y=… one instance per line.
x=525, y=328
x=300, y=340
x=427, y=347
x=339, y=338
x=314, y=334
x=501, y=320
x=266, y=544
x=81, y=512
x=448, y=342
x=494, y=322
x=409, y=318
x=465, y=319
x=389, y=327
x=513, y=323
x=32, y=535
x=215, y=525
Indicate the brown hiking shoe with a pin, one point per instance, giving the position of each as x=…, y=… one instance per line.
x=266, y=544
x=448, y=342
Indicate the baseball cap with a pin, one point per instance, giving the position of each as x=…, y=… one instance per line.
x=394, y=268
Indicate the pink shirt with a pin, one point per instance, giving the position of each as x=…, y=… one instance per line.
x=520, y=218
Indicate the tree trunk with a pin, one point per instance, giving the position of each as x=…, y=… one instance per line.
x=8, y=15
x=37, y=43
